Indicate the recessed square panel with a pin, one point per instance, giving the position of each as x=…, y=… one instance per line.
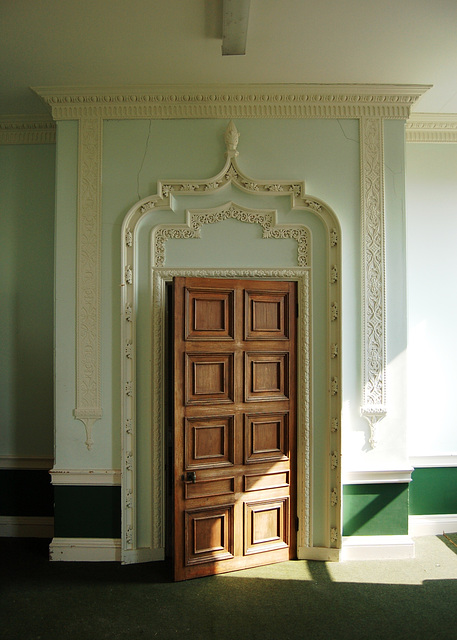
x=266, y=376
x=262, y=481
x=209, y=442
x=209, y=488
x=266, y=525
x=266, y=316
x=209, y=378
x=209, y=314
x=266, y=437
x=209, y=534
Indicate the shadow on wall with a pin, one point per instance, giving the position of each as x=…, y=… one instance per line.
x=375, y=509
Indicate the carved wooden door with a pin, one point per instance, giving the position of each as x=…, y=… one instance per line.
x=234, y=424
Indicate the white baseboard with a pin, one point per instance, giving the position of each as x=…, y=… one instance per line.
x=377, y=548
x=86, y=477
x=323, y=554
x=85, y=549
x=432, y=525
x=26, y=527
x=134, y=556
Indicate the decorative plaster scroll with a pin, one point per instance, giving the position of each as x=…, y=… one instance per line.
x=373, y=274
x=88, y=402
x=168, y=192
x=232, y=174
x=196, y=219
x=27, y=130
x=431, y=127
x=233, y=101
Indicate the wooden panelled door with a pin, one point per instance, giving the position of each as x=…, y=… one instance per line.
x=234, y=424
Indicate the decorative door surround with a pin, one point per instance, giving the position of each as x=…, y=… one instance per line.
x=90, y=106
x=371, y=104
x=160, y=234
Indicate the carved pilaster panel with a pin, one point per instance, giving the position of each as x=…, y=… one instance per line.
x=88, y=400
x=373, y=273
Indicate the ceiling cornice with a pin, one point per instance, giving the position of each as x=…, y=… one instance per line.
x=232, y=101
x=36, y=129
x=432, y=127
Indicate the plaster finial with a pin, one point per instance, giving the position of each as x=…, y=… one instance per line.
x=231, y=136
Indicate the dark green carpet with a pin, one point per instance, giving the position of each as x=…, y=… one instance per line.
x=298, y=600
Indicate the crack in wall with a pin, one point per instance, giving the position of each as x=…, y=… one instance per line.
x=345, y=135
x=394, y=175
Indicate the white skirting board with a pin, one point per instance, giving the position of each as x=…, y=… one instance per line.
x=432, y=525
x=26, y=527
x=323, y=554
x=135, y=556
x=85, y=549
x=377, y=548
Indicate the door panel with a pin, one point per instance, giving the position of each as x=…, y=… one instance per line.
x=234, y=424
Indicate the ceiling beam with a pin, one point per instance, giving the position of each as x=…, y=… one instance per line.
x=235, y=18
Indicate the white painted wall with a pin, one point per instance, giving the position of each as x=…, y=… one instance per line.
x=431, y=190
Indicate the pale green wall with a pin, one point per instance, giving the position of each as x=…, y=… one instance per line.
x=432, y=303
x=27, y=179
x=68, y=431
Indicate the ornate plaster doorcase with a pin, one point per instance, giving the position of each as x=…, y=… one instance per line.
x=144, y=317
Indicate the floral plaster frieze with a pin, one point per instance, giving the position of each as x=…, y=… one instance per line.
x=233, y=101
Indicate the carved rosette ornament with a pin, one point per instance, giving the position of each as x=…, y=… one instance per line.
x=373, y=275
x=168, y=193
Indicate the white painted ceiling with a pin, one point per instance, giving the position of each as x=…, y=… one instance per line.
x=129, y=42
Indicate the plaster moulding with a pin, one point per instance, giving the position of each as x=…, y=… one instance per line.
x=433, y=461
x=34, y=129
x=88, y=274
x=86, y=477
x=432, y=127
x=197, y=218
x=379, y=476
x=232, y=101
x=167, y=192
x=374, y=360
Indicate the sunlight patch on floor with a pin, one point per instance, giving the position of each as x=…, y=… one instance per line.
x=434, y=561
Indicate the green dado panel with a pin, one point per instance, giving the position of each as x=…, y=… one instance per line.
x=25, y=493
x=433, y=490
x=375, y=509
x=87, y=512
